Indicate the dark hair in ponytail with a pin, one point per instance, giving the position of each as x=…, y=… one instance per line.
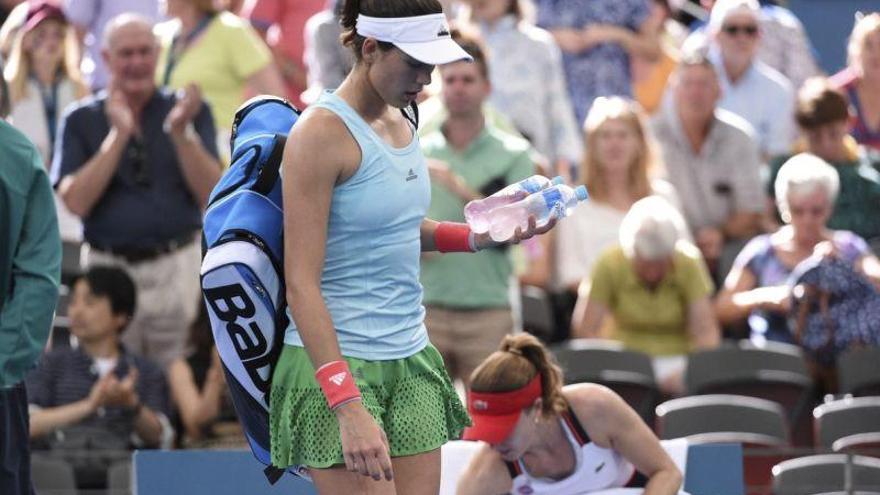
x=515, y=364
x=380, y=8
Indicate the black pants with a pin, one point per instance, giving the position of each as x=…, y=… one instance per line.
x=15, y=455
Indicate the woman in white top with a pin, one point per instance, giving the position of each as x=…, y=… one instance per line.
x=43, y=77
x=617, y=169
x=543, y=438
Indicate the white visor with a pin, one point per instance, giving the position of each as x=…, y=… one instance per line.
x=425, y=38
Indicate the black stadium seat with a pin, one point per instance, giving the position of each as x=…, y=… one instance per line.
x=858, y=371
x=723, y=419
x=606, y=362
x=828, y=473
x=776, y=372
x=851, y=424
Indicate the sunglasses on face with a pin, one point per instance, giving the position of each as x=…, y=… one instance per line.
x=749, y=30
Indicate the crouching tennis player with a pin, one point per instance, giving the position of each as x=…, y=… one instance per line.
x=545, y=439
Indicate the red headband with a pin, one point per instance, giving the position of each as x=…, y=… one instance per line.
x=497, y=403
x=495, y=414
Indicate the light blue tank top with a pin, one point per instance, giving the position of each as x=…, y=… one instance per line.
x=370, y=281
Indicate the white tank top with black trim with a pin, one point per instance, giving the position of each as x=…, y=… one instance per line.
x=596, y=468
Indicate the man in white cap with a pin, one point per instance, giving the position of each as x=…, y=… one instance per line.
x=750, y=88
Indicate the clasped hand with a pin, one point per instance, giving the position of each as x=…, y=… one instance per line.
x=189, y=101
x=111, y=391
x=122, y=118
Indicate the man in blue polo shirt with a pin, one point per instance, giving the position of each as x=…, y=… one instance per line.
x=137, y=163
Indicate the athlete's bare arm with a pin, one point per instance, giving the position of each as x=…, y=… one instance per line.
x=324, y=155
x=612, y=423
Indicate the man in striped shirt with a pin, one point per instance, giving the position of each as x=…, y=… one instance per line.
x=97, y=400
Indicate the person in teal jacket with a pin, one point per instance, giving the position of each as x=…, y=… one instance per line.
x=30, y=271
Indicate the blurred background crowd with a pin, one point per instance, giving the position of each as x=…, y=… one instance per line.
x=730, y=148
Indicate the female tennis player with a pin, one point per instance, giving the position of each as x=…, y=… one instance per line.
x=545, y=439
x=360, y=397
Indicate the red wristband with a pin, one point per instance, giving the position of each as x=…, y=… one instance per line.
x=451, y=237
x=337, y=383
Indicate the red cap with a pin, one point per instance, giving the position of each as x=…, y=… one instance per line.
x=40, y=11
x=495, y=413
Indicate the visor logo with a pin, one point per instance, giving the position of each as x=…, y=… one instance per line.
x=481, y=405
x=444, y=31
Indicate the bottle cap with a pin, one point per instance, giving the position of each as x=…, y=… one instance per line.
x=557, y=180
x=581, y=192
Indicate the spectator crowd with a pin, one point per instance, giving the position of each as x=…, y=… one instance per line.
x=718, y=157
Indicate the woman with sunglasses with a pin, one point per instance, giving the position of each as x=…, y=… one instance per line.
x=756, y=289
x=359, y=392
x=543, y=438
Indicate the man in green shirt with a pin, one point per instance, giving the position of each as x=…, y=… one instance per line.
x=466, y=295
x=30, y=270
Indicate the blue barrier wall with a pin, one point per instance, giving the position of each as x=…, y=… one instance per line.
x=712, y=470
x=196, y=472
x=715, y=470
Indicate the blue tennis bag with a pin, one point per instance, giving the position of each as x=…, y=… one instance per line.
x=242, y=273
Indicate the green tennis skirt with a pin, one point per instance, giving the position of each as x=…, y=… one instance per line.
x=411, y=399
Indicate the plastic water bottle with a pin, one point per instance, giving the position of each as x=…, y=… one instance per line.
x=554, y=202
x=476, y=212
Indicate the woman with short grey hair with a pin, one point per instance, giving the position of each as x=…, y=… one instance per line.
x=805, y=175
x=656, y=286
x=756, y=289
x=652, y=230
